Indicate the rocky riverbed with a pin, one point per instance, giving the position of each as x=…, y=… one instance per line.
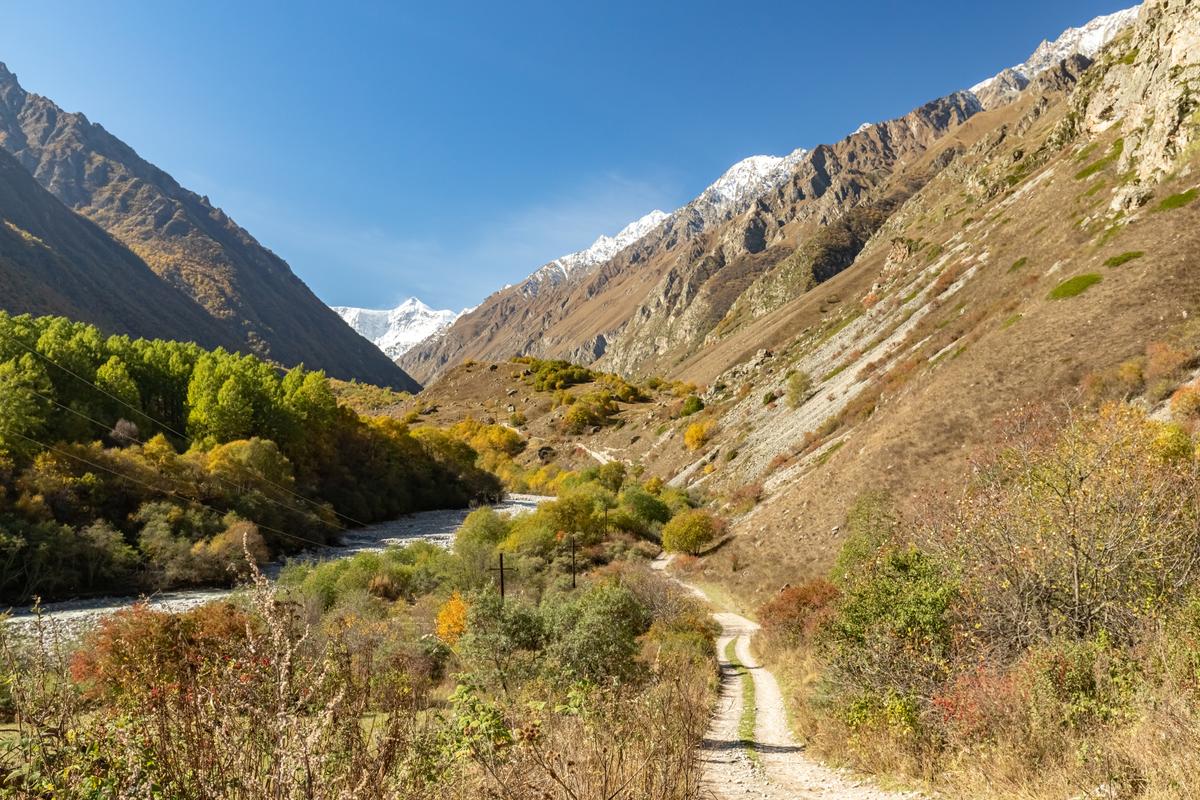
x=432, y=526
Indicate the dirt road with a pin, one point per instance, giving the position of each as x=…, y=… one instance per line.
x=772, y=766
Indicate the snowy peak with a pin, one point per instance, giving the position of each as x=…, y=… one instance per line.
x=604, y=248
x=396, y=331
x=746, y=180
x=1086, y=40
x=730, y=194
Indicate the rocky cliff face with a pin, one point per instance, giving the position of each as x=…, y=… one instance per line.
x=193, y=246
x=1147, y=86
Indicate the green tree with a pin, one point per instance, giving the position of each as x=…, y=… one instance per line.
x=799, y=386
x=114, y=378
x=594, y=635
x=23, y=413
x=689, y=532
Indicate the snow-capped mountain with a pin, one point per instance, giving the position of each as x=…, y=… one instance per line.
x=730, y=194
x=743, y=182
x=395, y=331
x=604, y=248
x=1086, y=40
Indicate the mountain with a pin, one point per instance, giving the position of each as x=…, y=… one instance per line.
x=1086, y=41
x=504, y=323
x=395, y=331
x=767, y=230
x=53, y=261
x=250, y=294
x=574, y=265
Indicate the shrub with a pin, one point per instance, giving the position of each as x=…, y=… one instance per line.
x=698, y=434
x=1078, y=534
x=1123, y=258
x=452, y=619
x=746, y=497
x=1074, y=286
x=1185, y=403
x=798, y=612
x=1164, y=360
x=890, y=637
x=690, y=532
x=691, y=405
x=798, y=388
x=594, y=635
x=770, y=397
x=644, y=505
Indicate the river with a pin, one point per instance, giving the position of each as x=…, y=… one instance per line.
x=432, y=526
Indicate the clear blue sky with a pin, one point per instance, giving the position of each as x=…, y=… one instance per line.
x=446, y=148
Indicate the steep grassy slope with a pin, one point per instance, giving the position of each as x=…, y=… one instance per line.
x=54, y=261
x=248, y=290
x=1013, y=277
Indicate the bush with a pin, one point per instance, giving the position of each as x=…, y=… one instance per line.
x=698, y=434
x=1078, y=534
x=1185, y=403
x=1074, y=286
x=797, y=613
x=690, y=532
x=644, y=505
x=594, y=635
x=798, y=388
x=691, y=405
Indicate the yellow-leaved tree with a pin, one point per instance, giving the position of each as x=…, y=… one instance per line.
x=452, y=619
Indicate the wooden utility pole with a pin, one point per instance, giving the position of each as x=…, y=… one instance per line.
x=500, y=569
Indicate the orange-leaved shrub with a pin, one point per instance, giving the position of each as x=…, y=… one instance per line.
x=797, y=613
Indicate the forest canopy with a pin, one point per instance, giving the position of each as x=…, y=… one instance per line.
x=128, y=464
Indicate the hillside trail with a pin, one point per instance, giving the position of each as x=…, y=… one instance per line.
x=772, y=766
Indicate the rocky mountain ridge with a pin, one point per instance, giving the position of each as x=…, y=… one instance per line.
x=718, y=262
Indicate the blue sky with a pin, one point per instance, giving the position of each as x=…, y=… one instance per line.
x=444, y=149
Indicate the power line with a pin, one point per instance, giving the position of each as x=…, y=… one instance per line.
x=159, y=489
x=162, y=424
x=106, y=426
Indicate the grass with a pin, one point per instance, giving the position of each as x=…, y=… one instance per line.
x=1178, y=200
x=1100, y=164
x=1013, y=320
x=833, y=373
x=1020, y=262
x=1074, y=286
x=1124, y=258
x=828, y=453
x=749, y=721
